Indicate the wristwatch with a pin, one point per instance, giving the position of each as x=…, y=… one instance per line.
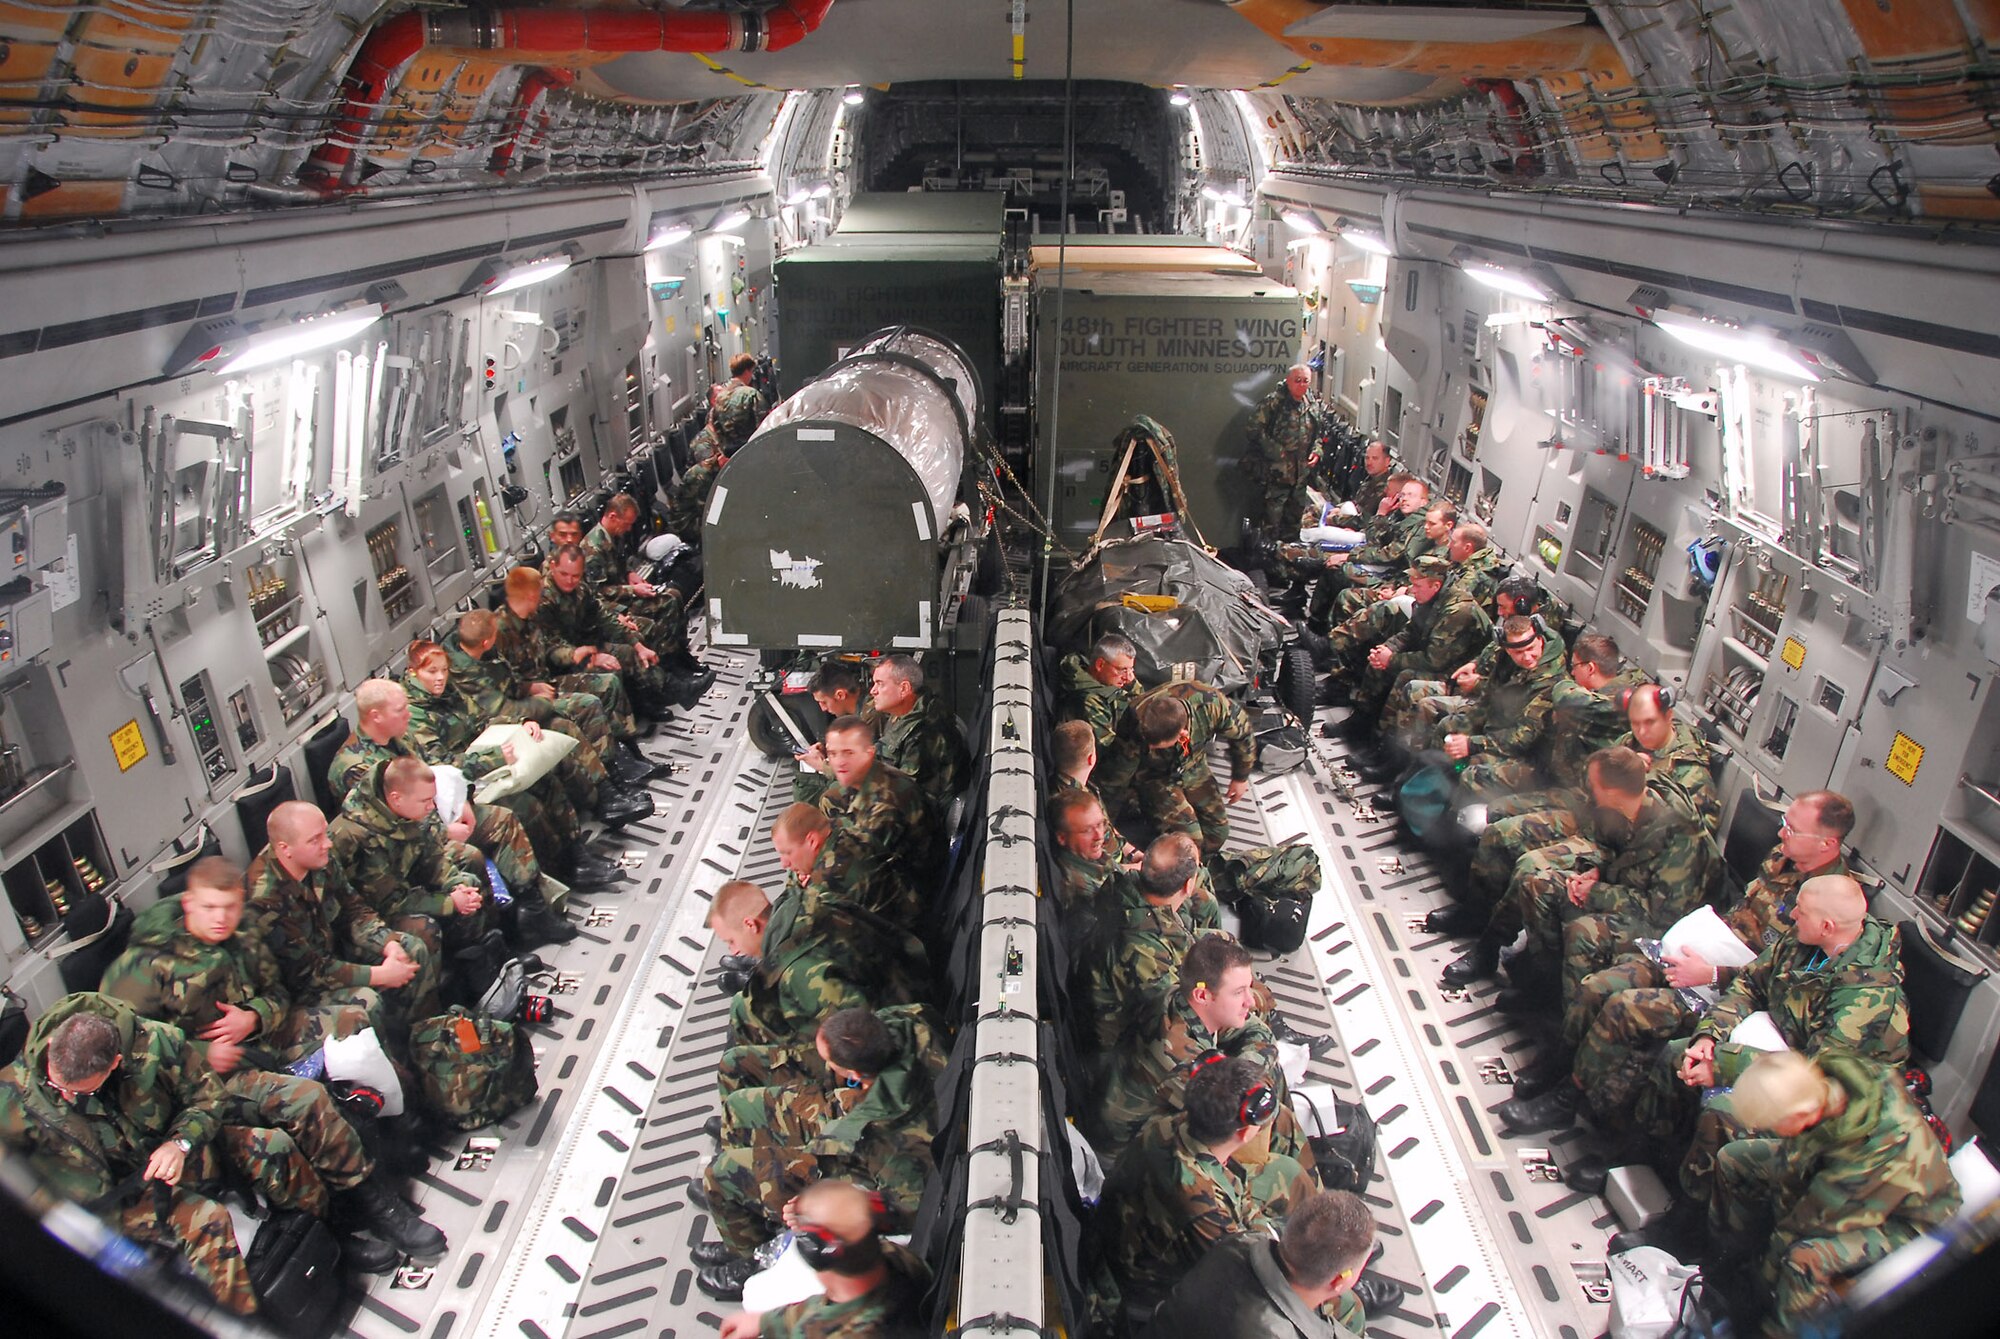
x=185, y=1145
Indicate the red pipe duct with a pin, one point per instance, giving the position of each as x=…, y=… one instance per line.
x=534, y=83
x=538, y=37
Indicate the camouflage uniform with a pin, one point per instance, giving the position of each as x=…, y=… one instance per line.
x=1167, y=1200
x=168, y=975
x=535, y=657
x=1843, y=1193
x=1434, y=638
x=883, y=852
x=816, y=960
x=442, y=729
x=1621, y=1015
x=497, y=834
x=1173, y=785
x=1281, y=436
x=784, y=1138
x=1477, y=578
x=1508, y=727
x=1368, y=494
x=1141, y=950
x=892, y=1309
x=1114, y=841
x=1081, y=697
x=608, y=563
x=579, y=618
x=1390, y=541
x=406, y=870
x=1646, y=881
x=1853, y=1005
x=282, y=1134
x=731, y=420
x=1155, y=1059
x=495, y=691
x=926, y=745
x=687, y=502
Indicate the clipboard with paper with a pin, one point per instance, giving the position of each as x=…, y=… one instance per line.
x=1703, y=932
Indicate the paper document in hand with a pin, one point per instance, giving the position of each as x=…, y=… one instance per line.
x=1705, y=933
x=1759, y=1033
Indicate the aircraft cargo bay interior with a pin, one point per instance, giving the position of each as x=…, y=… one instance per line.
x=1108, y=668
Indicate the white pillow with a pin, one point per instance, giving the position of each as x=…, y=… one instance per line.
x=533, y=759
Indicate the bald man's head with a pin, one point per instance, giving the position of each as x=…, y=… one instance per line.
x=799, y=821
x=841, y=1207
x=294, y=821
x=1828, y=912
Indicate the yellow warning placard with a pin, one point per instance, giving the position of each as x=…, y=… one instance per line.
x=128, y=744
x=1905, y=756
x=1794, y=652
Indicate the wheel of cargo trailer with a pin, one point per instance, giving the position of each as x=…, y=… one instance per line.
x=1297, y=691
x=767, y=734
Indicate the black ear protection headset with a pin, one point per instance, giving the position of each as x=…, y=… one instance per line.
x=1663, y=696
x=822, y=1250
x=1542, y=629
x=1259, y=1105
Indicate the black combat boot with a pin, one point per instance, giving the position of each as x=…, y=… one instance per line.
x=1553, y=1110
x=626, y=771
x=583, y=868
x=617, y=807
x=724, y=1282
x=654, y=766
x=540, y=923
x=385, y=1214
x=1458, y=920
x=1482, y=961
x=365, y=1255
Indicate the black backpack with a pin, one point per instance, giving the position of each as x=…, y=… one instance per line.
x=294, y=1266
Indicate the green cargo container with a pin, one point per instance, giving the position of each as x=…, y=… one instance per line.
x=1193, y=350
x=927, y=260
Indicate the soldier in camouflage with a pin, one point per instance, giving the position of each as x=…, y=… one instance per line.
x=817, y=880
x=391, y=842
x=916, y=735
x=734, y=415
x=1847, y=1170
x=611, y=562
x=884, y=850
x=1503, y=736
x=1073, y=759
x=1096, y=687
x=1418, y=706
x=168, y=1122
x=1162, y=754
x=1378, y=463
x=1366, y=587
x=498, y=692
x=836, y=689
x=549, y=669
x=1440, y=630
x=382, y=732
x=687, y=500
x=1391, y=533
x=870, y=1288
x=1177, y=1190
x=579, y=628
x=1149, y=922
x=1832, y=982
x=873, y=1127
x=1210, y=1007
x=811, y=962
x=1281, y=451
x=1649, y=866
x=192, y=962
x=332, y=950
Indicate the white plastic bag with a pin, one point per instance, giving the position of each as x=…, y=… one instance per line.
x=359, y=1059
x=1646, y=1288
x=1088, y=1169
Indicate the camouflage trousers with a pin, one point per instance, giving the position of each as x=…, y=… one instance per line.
x=1276, y=1180
x=1621, y=1017
x=1282, y=505
x=643, y=686
x=1192, y=802
x=543, y=818
x=281, y=1135
x=1799, y=1272
x=608, y=690
x=763, y=1161
x=770, y=1065
x=751, y=1026
x=578, y=715
x=498, y=835
x=1681, y=1117
x=1592, y=943
x=1538, y=895
x=1485, y=777
x=1417, y=707
x=1513, y=829
x=340, y=1013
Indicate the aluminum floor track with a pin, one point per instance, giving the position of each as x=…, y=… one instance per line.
x=577, y=1226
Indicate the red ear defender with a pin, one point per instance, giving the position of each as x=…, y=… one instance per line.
x=1260, y=1104
x=1663, y=696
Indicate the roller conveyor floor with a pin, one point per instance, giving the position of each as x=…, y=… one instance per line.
x=577, y=1224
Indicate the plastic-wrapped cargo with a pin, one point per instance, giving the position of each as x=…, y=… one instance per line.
x=1217, y=629
x=827, y=528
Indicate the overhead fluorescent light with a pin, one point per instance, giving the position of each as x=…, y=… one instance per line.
x=524, y=276
x=852, y=97
x=285, y=342
x=821, y=191
x=1301, y=221
x=520, y=317
x=1371, y=242
x=1180, y=97
x=734, y=218
x=1734, y=343
x=798, y=196
x=1506, y=281
x=672, y=235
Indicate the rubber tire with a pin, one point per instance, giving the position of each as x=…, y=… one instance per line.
x=770, y=737
x=1297, y=688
